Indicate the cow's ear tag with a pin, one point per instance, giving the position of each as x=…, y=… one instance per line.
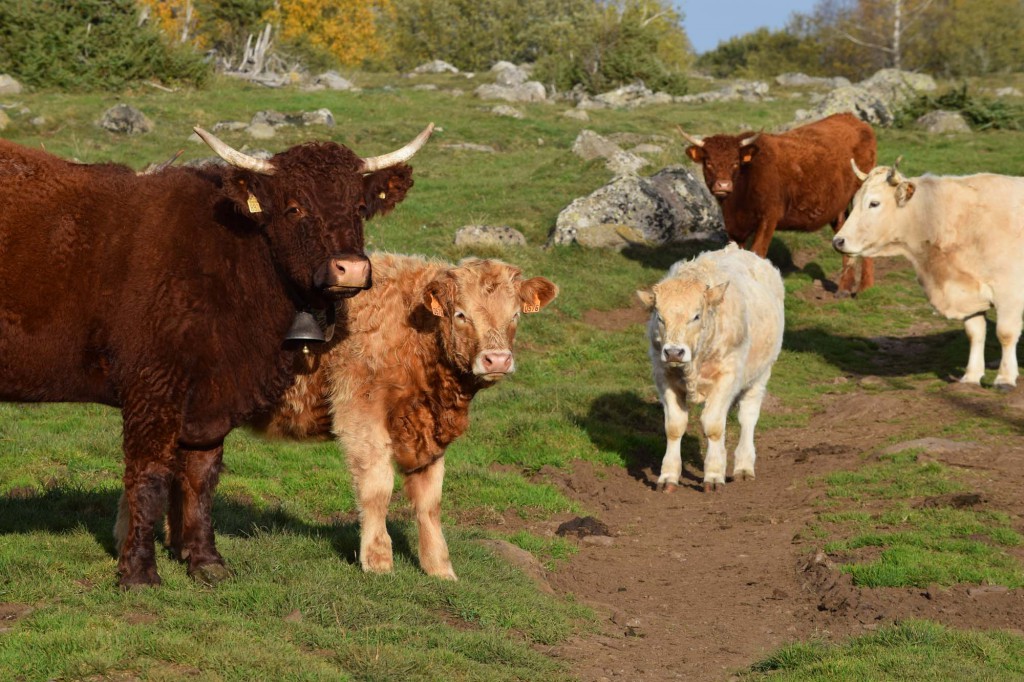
x=747, y=158
x=382, y=195
x=253, y=203
x=435, y=307
x=532, y=307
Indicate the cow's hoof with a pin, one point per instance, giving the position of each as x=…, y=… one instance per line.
x=1004, y=388
x=845, y=293
x=743, y=475
x=143, y=579
x=210, y=574
x=667, y=486
x=714, y=486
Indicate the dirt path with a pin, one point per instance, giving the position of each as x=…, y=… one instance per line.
x=696, y=586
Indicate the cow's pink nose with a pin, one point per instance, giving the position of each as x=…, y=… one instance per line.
x=722, y=186
x=351, y=271
x=497, y=362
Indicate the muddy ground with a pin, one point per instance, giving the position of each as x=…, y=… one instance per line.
x=699, y=586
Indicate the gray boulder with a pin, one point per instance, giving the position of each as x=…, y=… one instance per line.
x=590, y=145
x=576, y=114
x=489, y=235
x=803, y=80
x=435, y=66
x=507, y=73
x=507, y=111
x=1009, y=92
x=320, y=117
x=745, y=91
x=669, y=206
x=5, y=120
x=8, y=85
x=943, y=122
x=125, y=120
x=330, y=80
x=260, y=131
x=530, y=91
x=874, y=100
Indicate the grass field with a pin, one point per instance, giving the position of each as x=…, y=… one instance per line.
x=300, y=608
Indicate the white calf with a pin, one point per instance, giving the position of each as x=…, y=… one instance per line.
x=715, y=331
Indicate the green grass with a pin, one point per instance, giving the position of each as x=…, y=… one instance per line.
x=898, y=543
x=913, y=650
x=284, y=512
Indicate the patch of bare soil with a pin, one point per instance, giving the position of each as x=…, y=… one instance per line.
x=697, y=586
x=618, y=319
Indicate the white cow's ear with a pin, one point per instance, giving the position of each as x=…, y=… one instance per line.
x=646, y=298
x=904, y=191
x=714, y=295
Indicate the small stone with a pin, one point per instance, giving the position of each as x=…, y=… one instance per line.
x=260, y=131
x=986, y=590
x=125, y=120
x=507, y=111
x=489, y=235
x=8, y=85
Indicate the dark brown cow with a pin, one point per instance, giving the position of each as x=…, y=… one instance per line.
x=797, y=180
x=168, y=295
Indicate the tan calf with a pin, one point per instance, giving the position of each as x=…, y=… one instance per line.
x=397, y=388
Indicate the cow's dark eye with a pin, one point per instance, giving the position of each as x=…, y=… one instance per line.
x=873, y=204
x=292, y=210
x=696, y=318
x=461, y=316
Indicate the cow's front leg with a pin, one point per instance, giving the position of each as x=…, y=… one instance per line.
x=368, y=451
x=713, y=421
x=423, y=487
x=150, y=437
x=676, y=419
x=1008, y=328
x=975, y=328
x=749, y=411
x=764, y=234
x=190, y=514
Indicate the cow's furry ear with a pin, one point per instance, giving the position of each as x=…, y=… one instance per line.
x=536, y=293
x=695, y=153
x=904, y=191
x=243, y=189
x=646, y=298
x=384, y=189
x=714, y=295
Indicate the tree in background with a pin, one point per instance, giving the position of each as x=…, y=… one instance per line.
x=347, y=30
x=764, y=53
x=89, y=44
x=176, y=18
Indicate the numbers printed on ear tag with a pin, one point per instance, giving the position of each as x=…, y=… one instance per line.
x=532, y=307
x=436, y=308
x=253, y=203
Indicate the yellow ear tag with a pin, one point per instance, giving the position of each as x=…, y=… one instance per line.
x=435, y=307
x=253, y=203
x=382, y=195
x=534, y=307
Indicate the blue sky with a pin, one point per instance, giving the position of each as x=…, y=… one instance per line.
x=708, y=22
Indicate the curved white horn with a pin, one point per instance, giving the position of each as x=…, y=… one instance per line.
x=376, y=163
x=750, y=140
x=895, y=177
x=233, y=156
x=690, y=138
x=861, y=175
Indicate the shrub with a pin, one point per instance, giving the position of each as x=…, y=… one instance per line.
x=761, y=54
x=89, y=44
x=981, y=113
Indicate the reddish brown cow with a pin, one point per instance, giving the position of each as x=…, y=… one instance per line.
x=169, y=295
x=797, y=180
x=397, y=388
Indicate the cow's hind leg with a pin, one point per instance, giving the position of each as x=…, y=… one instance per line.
x=190, y=514
x=1008, y=328
x=676, y=418
x=749, y=410
x=975, y=328
x=423, y=487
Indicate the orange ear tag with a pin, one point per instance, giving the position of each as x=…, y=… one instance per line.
x=532, y=308
x=382, y=195
x=435, y=307
x=253, y=203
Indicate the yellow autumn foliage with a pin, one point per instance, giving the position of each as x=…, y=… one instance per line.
x=348, y=29
x=175, y=18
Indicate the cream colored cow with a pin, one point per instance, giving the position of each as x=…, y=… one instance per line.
x=964, y=236
x=715, y=332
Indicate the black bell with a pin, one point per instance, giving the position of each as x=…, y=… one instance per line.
x=305, y=330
